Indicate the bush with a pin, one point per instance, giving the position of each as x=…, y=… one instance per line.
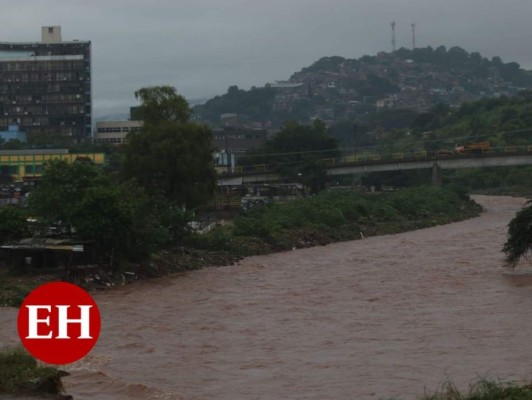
x=13, y=224
x=331, y=211
x=20, y=374
x=217, y=239
x=519, y=242
x=483, y=390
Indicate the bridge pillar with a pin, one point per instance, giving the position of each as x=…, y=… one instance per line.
x=436, y=174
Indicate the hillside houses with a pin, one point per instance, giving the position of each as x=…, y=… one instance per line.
x=336, y=89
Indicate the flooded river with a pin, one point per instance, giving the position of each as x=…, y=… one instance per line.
x=374, y=318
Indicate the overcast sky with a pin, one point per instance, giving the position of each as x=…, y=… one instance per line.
x=204, y=46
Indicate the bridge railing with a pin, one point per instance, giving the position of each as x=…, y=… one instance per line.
x=419, y=155
x=425, y=155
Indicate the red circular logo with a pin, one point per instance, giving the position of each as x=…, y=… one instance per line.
x=58, y=323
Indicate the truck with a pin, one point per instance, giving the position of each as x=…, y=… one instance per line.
x=473, y=148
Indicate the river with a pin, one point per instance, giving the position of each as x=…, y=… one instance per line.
x=381, y=317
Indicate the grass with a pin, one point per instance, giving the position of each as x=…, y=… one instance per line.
x=335, y=216
x=483, y=390
x=21, y=375
x=15, y=288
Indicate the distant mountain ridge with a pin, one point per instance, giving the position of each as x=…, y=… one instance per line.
x=337, y=89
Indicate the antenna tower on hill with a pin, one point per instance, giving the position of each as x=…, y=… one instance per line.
x=393, y=36
x=413, y=35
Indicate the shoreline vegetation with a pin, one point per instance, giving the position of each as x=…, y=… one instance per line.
x=335, y=216
x=482, y=389
x=21, y=375
x=331, y=216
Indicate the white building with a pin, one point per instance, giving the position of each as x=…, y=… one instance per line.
x=115, y=132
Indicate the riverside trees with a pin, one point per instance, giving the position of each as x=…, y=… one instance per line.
x=298, y=152
x=167, y=168
x=84, y=199
x=171, y=157
x=519, y=242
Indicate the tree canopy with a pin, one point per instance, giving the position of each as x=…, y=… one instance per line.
x=162, y=103
x=519, y=242
x=171, y=156
x=61, y=188
x=13, y=225
x=82, y=198
x=297, y=152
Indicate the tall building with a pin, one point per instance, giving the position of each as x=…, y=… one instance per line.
x=45, y=87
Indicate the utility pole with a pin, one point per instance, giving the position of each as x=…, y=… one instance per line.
x=355, y=137
x=413, y=35
x=393, y=36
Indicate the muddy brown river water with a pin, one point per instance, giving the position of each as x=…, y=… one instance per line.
x=382, y=317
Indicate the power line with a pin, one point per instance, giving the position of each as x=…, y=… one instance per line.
x=380, y=146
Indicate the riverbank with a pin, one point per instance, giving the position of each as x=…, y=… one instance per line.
x=332, y=216
x=21, y=375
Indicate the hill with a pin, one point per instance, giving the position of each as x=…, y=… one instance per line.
x=337, y=89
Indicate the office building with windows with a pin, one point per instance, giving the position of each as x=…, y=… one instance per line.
x=45, y=87
x=115, y=132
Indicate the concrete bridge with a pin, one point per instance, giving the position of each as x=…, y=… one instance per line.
x=496, y=157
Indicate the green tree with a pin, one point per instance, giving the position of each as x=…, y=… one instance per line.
x=299, y=153
x=120, y=218
x=60, y=189
x=171, y=156
x=13, y=224
x=87, y=201
x=519, y=242
x=162, y=103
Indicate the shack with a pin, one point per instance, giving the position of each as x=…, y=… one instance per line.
x=45, y=254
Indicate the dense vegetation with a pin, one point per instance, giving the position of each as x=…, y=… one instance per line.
x=171, y=156
x=338, y=215
x=296, y=153
x=256, y=103
x=483, y=390
x=503, y=121
x=20, y=375
x=84, y=199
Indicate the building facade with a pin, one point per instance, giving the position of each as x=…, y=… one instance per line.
x=22, y=165
x=45, y=87
x=238, y=141
x=115, y=132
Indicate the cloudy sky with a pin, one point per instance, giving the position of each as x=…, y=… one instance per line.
x=204, y=46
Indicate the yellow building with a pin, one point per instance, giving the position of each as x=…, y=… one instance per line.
x=29, y=164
